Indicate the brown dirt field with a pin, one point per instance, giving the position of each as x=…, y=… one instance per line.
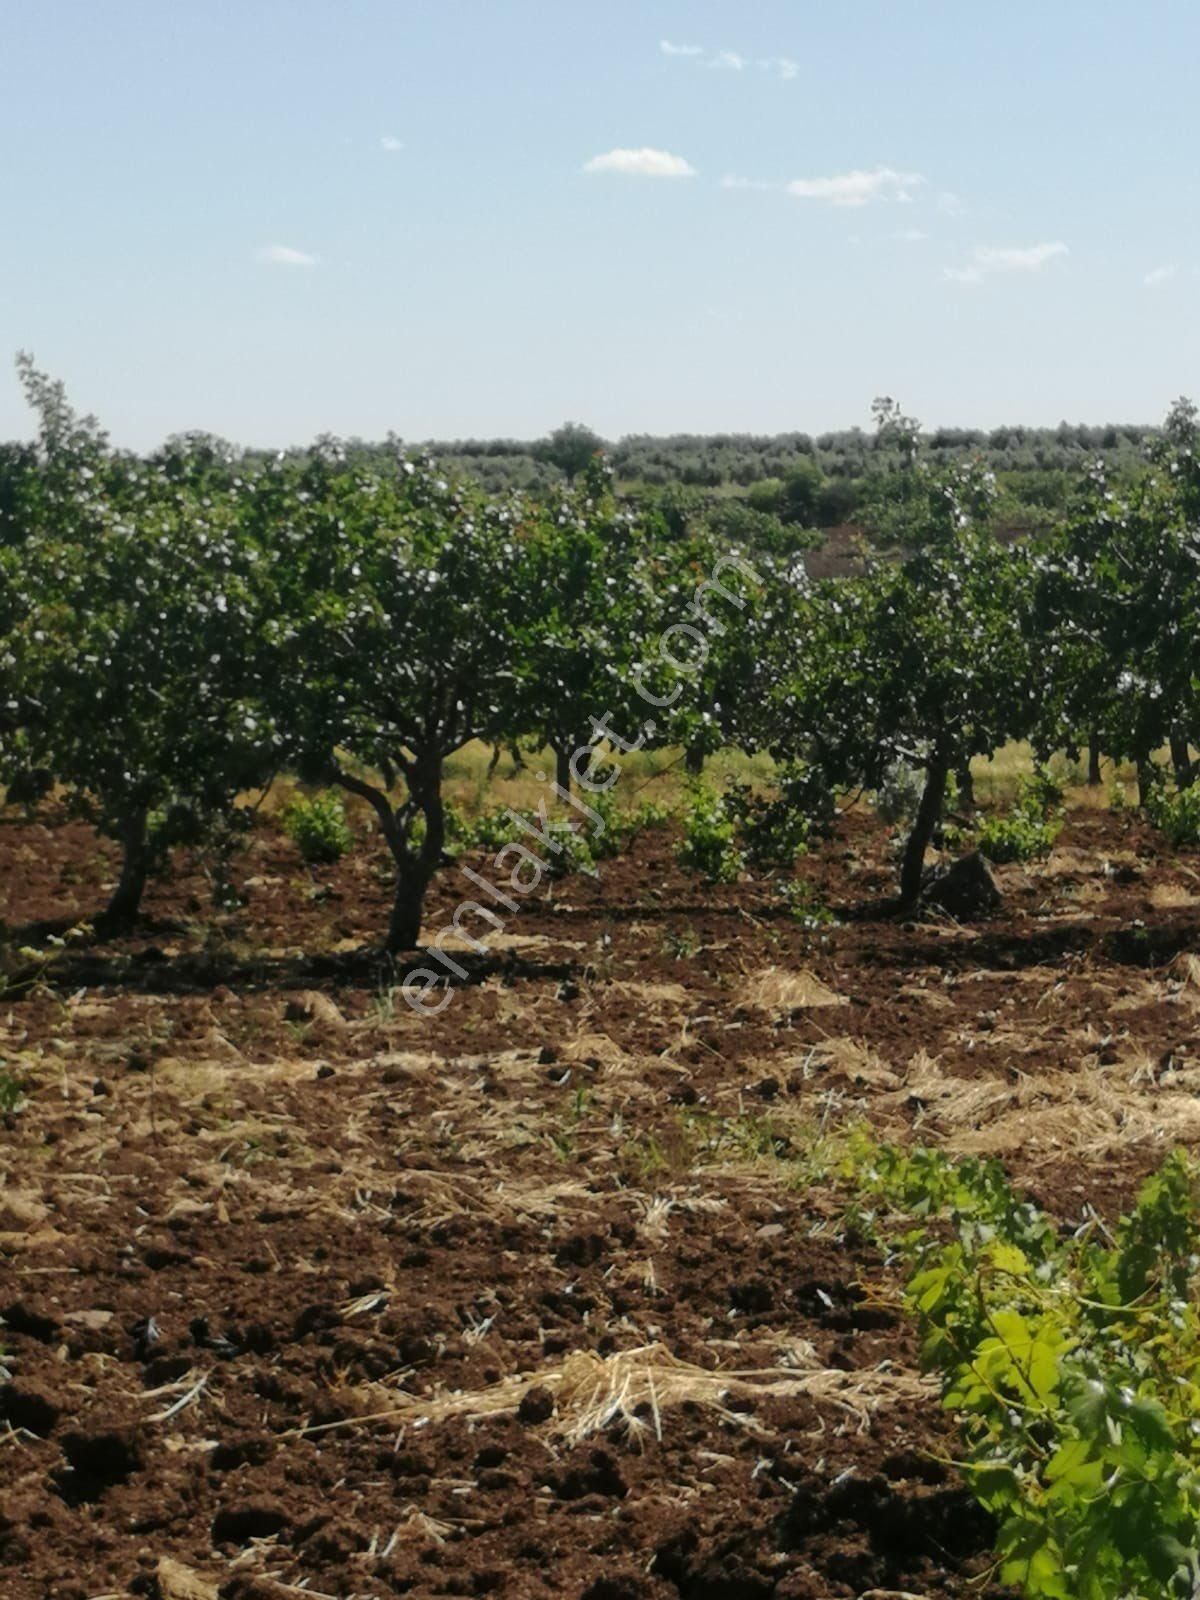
x=549, y=1295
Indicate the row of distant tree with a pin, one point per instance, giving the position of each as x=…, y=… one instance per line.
x=731, y=460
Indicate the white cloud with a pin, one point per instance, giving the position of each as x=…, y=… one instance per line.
x=643, y=163
x=910, y=235
x=283, y=255
x=849, y=189
x=857, y=188
x=732, y=60
x=1027, y=258
x=986, y=261
x=1157, y=276
x=950, y=203
x=390, y=142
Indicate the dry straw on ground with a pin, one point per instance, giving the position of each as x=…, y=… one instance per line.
x=779, y=993
x=177, y=1582
x=1092, y=1111
x=633, y=1388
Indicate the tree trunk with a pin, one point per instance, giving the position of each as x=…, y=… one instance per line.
x=414, y=868
x=928, y=814
x=1094, y=758
x=1181, y=759
x=562, y=767
x=125, y=902
x=693, y=761
x=408, y=903
x=966, y=786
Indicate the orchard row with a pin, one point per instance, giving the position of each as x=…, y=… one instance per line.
x=177, y=629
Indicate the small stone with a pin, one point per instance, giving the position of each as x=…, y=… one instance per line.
x=965, y=891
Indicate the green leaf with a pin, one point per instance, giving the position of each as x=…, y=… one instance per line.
x=1149, y=1422
x=1008, y=1258
x=1089, y=1405
x=1032, y=1562
x=1074, y=1470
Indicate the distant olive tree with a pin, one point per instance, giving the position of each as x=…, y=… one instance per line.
x=569, y=448
x=802, y=493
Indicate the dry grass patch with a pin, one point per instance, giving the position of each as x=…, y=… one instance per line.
x=853, y=1062
x=778, y=993
x=632, y=1389
x=1172, y=897
x=494, y=939
x=441, y=1197
x=595, y=1046
x=1069, y=861
x=648, y=995
x=925, y=994
x=1091, y=1111
x=177, y=1582
x=1176, y=985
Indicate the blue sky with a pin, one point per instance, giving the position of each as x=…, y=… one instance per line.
x=272, y=218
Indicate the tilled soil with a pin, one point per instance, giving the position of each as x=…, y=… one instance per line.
x=552, y=1293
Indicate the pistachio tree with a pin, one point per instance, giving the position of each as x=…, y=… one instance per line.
x=138, y=678
x=923, y=661
x=590, y=599
x=401, y=606
x=1118, y=607
x=18, y=469
x=725, y=627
